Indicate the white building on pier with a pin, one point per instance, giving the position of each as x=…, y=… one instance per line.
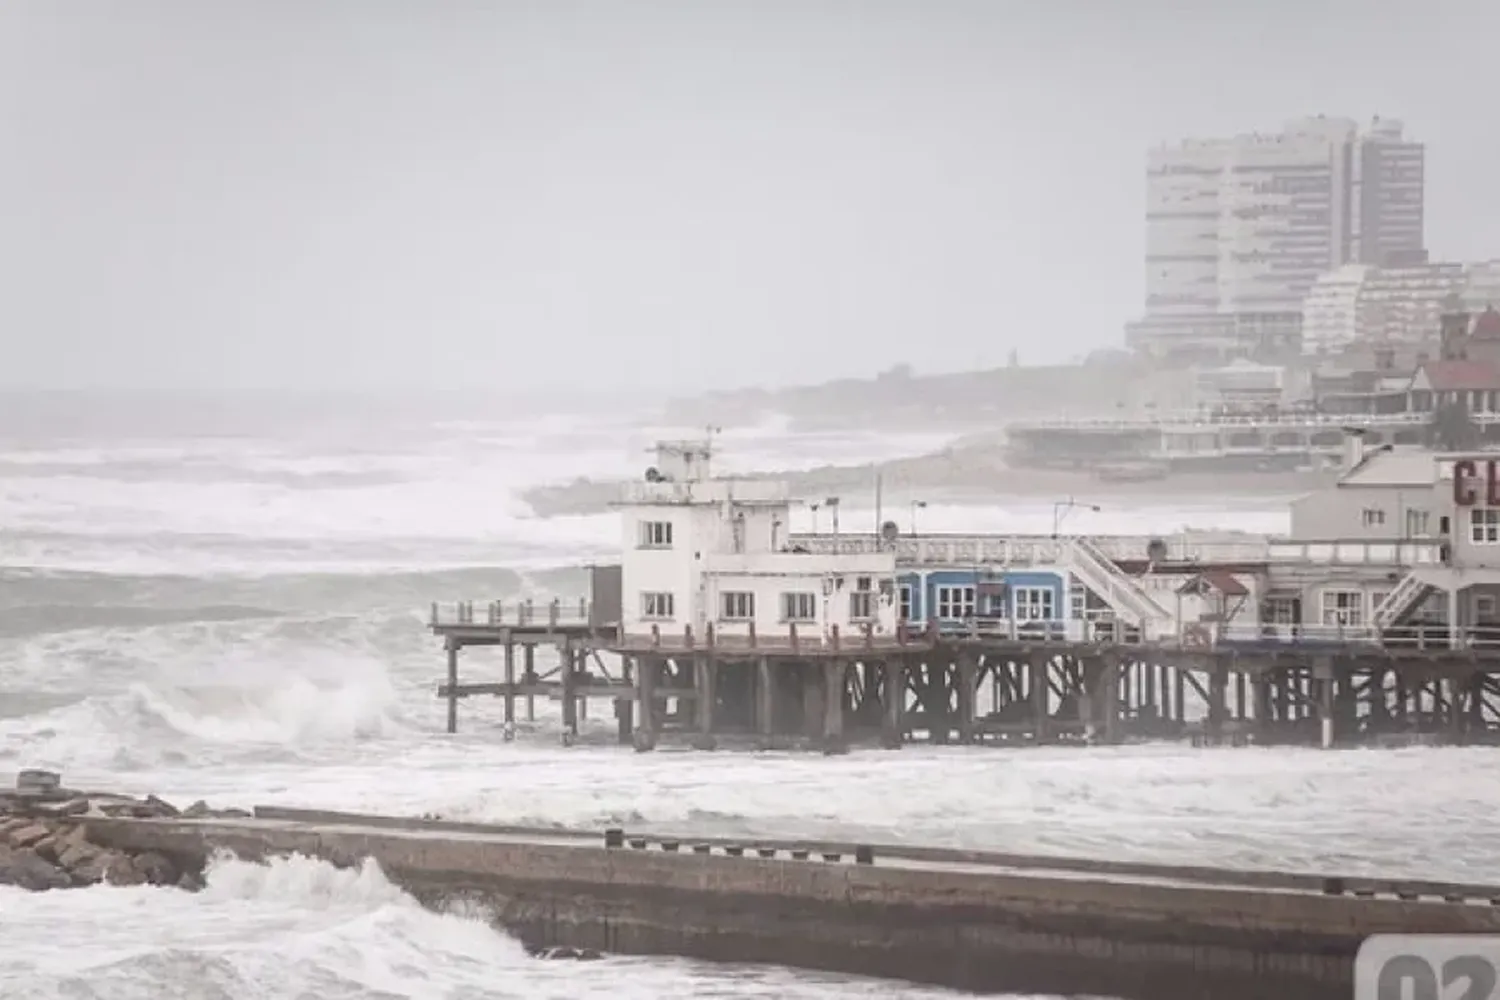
x=1396, y=544
x=713, y=555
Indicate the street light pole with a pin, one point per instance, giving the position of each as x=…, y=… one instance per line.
x=916, y=505
x=1061, y=508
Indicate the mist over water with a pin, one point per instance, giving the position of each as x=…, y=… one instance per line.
x=239, y=615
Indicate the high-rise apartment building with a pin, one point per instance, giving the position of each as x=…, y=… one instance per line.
x=1239, y=229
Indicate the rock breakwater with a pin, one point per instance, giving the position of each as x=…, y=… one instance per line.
x=44, y=845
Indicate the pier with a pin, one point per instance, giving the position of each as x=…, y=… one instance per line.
x=1368, y=624
x=962, y=919
x=999, y=682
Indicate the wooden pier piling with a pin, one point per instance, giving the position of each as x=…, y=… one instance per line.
x=833, y=691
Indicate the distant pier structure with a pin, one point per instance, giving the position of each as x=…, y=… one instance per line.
x=719, y=627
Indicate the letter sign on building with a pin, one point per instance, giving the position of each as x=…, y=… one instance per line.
x=1468, y=476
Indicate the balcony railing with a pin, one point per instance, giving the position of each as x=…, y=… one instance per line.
x=1411, y=552
x=1044, y=550
x=1101, y=630
x=706, y=491
x=515, y=614
x=1211, y=421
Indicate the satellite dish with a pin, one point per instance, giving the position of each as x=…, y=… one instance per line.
x=890, y=531
x=1156, y=550
x=652, y=475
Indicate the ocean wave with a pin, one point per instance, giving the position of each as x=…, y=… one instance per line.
x=26, y=594
x=299, y=928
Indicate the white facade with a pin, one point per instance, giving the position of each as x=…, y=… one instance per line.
x=701, y=552
x=1244, y=226
x=1361, y=304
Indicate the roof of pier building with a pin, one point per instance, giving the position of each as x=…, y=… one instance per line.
x=1395, y=466
x=1215, y=581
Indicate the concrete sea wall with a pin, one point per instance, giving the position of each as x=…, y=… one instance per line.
x=976, y=922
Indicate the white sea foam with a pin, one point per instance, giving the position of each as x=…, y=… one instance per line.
x=253, y=633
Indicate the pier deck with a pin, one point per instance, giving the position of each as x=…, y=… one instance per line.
x=968, y=920
x=994, y=681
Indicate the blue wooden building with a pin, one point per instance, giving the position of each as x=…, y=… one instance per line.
x=955, y=595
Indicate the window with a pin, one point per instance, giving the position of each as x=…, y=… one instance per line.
x=1373, y=516
x=1078, y=601
x=1484, y=525
x=905, y=605
x=657, y=607
x=1484, y=606
x=1343, y=608
x=1033, y=603
x=736, y=606
x=1416, y=523
x=797, y=607
x=862, y=599
x=955, y=602
x=656, y=534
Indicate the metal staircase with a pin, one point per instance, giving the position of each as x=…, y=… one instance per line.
x=1098, y=572
x=1410, y=592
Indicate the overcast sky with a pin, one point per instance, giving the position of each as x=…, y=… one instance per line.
x=437, y=192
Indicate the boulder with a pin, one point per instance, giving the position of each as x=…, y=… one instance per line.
x=122, y=871
x=28, y=835
x=156, y=869
x=197, y=810
x=161, y=807
x=23, y=869
x=33, y=781
x=91, y=869
x=73, y=856
x=67, y=807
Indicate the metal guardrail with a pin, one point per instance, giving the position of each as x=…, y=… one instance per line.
x=1102, y=630
x=937, y=549
x=519, y=614
x=1229, y=421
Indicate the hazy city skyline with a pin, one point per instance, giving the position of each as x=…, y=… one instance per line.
x=670, y=194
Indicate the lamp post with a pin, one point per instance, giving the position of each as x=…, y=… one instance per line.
x=1062, y=508
x=832, y=503
x=916, y=505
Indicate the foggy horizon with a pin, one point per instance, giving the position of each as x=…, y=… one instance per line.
x=571, y=197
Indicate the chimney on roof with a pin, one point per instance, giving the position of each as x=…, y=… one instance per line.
x=1354, y=448
x=1454, y=331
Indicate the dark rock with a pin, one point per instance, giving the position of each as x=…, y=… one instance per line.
x=23, y=869
x=197, y=810
x=161, y=807
x=156, y=869
x=94, y=868
x=190, y=882
x=28, y=835
x=36, y=781
x=122, y=871
x=67, y=807
x=49, y=848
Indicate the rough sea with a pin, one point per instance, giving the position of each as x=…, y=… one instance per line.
x=227, y=601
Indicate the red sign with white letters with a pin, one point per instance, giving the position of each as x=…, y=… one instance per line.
x=1476, y=481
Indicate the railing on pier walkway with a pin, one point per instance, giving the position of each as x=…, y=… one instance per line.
x=517, y=614
x=1420, y=636
x=1194, y=420
x=1100, y=631
x=1044, y=550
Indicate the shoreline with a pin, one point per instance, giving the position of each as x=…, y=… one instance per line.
x=963, y=477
